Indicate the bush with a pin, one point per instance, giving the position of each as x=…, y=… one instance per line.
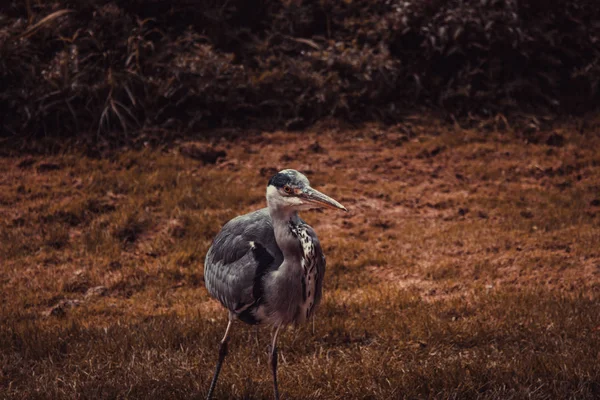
x=114, y=68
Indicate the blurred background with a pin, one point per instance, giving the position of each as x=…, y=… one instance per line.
x=114, y=68
x=463, y=137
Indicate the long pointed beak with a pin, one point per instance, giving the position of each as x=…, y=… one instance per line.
x=319, y=199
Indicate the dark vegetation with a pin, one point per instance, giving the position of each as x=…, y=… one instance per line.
x=115, y=69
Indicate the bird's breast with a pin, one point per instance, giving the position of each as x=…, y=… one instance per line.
x=310, y=275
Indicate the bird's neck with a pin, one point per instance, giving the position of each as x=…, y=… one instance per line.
x=286, y=241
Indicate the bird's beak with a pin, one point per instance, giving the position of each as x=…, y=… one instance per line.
x=319, y=199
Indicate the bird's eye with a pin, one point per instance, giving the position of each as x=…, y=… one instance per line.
x=287, y=189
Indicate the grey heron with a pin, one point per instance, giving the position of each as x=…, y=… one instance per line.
x=267, y=267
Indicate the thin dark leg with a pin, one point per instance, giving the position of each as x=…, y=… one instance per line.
x=222, y=354
x=273, y=362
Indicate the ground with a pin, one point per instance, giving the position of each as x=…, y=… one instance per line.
x=468, y=266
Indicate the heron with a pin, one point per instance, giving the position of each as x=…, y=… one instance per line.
x=267, y=267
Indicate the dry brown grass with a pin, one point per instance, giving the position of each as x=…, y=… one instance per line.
x=468, y=267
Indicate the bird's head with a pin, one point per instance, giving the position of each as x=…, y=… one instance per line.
x=290, y=190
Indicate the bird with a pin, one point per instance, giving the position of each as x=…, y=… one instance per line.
x=267, y=267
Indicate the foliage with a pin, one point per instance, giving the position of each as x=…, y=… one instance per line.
x=70, y=67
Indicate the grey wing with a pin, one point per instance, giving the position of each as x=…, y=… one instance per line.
x=320, y=264
x=242, y=251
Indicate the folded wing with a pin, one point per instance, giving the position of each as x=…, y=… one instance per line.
x=242, y=252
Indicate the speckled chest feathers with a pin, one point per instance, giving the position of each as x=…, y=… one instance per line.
x=310, y=275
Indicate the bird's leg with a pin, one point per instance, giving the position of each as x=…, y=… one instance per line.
x=222, y=354
x=273, y=362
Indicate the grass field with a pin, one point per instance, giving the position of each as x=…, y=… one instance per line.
x=467, y=267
